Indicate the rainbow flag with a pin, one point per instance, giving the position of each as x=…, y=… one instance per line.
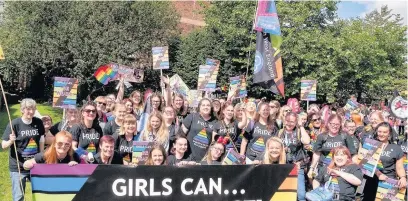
x=58, y=181
x=233, y=158
x=105, y=73
x=327, y=160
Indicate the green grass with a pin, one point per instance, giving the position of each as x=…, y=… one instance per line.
x=5, y=183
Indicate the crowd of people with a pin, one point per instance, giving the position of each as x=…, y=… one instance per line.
x=322, y=141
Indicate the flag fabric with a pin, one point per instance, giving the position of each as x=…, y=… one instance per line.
x=58, y=182
x=105, y=73
x=268, y=70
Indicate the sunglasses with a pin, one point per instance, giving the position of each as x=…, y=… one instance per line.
x=90, y=111
x=100, y=103
x=314, y=120
x=60, y=144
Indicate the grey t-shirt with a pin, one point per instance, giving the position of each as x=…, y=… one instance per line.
x=27, y=141
x=388, y=159
x=257, y=137
x=340, y=186
x=199, y=134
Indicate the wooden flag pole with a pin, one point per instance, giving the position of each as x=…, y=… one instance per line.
x=14, y=143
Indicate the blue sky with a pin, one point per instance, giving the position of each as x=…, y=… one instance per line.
x=355, y=8
x=349, y=9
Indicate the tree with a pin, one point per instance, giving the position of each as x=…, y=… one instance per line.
x=71, y=39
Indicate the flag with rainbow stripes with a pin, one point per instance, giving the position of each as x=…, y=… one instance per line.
x=389, y=190
x=58, y=182
x=105, y=73
x=369, y=156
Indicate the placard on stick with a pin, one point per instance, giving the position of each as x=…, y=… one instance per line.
x=160, y=58
x=65, y=92
x=308, y=90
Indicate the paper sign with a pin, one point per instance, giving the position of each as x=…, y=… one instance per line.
x=160, y=58
x=207, y=75
x=308, y=90
x=141, y=152
x=178, y=85
x=369, y=155
x=65, y=92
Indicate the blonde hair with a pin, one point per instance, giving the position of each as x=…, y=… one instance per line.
x=208, y=156
x=129, y=118
x=162, y=135
x=283, y=108
x=282, y=156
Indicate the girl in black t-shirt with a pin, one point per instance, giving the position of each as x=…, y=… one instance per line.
x=390, y=165
x=343, y=176
x=179, y=155
x=71, y=118
x=198, y=127
x=86, y=134
x=107, y=155
x=274, y=152
x=60, y=151
x=228, y=127
x=112, y=127
x=157, y=156
x=258, y=131
x=215, y=152
x=325, y=142
x=127, y=134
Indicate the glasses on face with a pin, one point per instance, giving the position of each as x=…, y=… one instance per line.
x=60, y=144
x=272, y=106
x=218, y=149
x=169, y=112
x=156, y=101
x=334, y=125
x=286, y=110
x=101, y=103
x=90, y=111
x=315, y=120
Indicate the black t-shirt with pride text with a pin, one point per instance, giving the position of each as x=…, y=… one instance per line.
x=111, y=128
x=338, y=185
x=325, y=143
x=87, y=138
x=27, y=141
x=39, y=158
x=388, y=159
x=199, y=134
x=222, y=129
x=257, y=135
x=124, y=148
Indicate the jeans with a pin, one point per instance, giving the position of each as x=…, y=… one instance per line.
x=18, y=194
x=301, y=185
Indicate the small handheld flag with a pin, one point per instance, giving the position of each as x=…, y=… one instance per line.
x=104, y=74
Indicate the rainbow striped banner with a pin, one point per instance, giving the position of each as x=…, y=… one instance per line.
x=58, y=181
x=369, y=156
x=141, y=151
x=388, y=190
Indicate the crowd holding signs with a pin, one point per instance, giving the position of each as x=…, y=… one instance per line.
x=181, y=144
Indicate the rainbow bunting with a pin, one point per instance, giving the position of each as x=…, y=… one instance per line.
x=58, y=181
